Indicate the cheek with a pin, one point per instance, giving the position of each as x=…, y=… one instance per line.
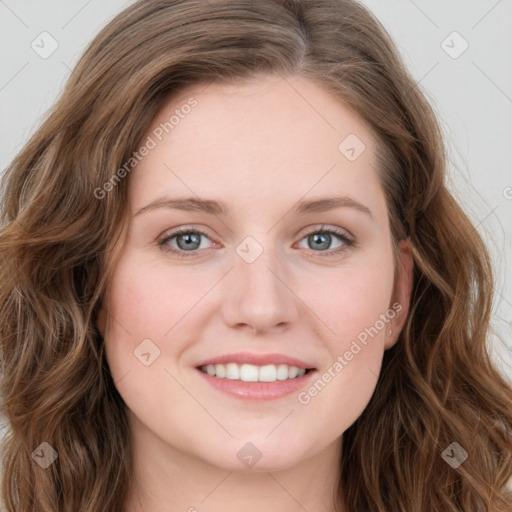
x=353, y=300
x=144, y=303
x=353, y=305
x=148, y=299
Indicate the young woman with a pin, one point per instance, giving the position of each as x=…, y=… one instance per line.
x=233, y=278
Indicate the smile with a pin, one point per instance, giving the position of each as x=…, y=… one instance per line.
x=253, y=373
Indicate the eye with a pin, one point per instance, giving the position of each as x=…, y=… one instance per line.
x=321, y=238
x=187, y=239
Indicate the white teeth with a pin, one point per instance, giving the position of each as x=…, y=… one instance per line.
x=282, y=372
x=232, y=371
x=253, y=373
x=220, y=371
x=268, y=373
x=249, y=373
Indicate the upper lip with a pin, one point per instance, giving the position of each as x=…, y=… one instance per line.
x=257, y=359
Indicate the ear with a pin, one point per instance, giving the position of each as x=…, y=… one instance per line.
x=402, y=291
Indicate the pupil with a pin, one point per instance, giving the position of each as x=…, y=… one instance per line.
x=190, y=238
x=318, y=238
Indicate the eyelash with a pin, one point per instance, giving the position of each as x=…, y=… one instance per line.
x=342, y=235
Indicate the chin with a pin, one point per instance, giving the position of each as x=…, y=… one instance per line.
x=259, y=456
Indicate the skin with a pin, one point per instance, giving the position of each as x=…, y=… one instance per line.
x=259, y=146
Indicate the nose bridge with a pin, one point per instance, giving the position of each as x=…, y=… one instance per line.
x=254, y=268
x=260, y=297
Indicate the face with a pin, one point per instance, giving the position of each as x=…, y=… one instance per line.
x=265, y=276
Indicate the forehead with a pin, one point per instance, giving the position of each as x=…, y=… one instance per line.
x=255, y=138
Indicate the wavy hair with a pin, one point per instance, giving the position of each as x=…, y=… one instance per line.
x=59, y=240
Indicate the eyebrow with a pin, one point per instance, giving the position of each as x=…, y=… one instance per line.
x=217, y=208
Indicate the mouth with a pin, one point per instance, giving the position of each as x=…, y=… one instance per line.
x=254, y=373
x=256, y=376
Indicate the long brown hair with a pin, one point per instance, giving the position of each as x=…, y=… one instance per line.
x=58, y=238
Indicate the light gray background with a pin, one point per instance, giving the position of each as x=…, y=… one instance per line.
x=472, y=95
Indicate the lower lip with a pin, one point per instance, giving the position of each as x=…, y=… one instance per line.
x=258, y=390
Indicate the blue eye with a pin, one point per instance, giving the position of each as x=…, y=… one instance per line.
x=319, y=239
x=189, y=241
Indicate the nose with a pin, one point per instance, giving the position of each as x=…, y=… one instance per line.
x=259, y=295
